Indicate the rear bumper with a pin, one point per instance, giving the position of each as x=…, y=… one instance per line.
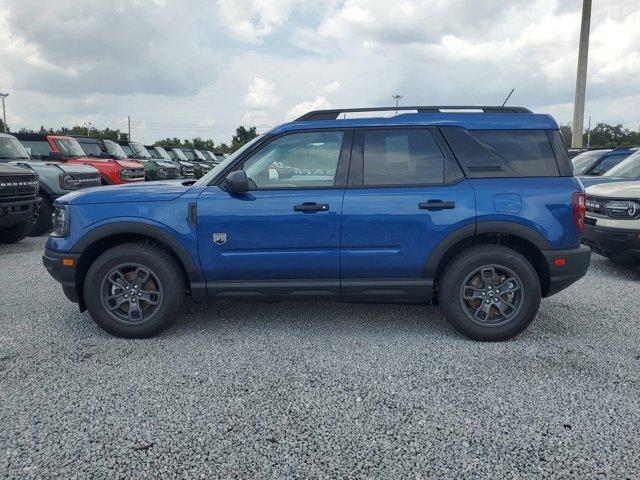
x=18, y=211
x=65, y=275
x=576, y=264
x=618, y=244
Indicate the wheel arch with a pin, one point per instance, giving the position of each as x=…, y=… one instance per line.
x=94, y=243
x=520, y=238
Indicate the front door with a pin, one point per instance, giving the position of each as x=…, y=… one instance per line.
x=283, y=236
x=406, y=193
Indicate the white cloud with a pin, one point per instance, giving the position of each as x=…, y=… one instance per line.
x=319, y=103
x=252, y=20
x=261, y=93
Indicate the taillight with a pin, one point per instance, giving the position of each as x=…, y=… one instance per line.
x=579, y=209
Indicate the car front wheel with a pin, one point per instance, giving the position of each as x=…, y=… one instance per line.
x=490, y=293
x=134, y=290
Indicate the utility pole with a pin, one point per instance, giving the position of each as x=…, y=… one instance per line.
x=589, y=133
x=4, y=113
x=87, y=125
x=581, y=80
x=397, y=98
x=129, y=125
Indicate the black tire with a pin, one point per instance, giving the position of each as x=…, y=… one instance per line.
x=15, y=233
x=165, y=276
x=463, y=277
x=44, y=223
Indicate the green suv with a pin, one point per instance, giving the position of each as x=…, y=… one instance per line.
x=153, y=169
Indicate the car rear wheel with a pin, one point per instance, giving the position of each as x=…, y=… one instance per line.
x=134, y=290
x=490, y=293
x=15, y=233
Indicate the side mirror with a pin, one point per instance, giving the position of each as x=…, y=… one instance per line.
x=55, y=156
x=237, y=182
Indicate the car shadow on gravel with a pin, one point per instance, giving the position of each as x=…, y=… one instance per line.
x=623, y=272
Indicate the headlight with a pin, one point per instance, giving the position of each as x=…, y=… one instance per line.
x=60, y=219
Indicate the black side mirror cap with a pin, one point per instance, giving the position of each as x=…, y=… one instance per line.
x=55, y=156
x=237, y=182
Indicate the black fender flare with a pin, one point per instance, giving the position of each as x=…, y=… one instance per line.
x=193, y=271
x=480, y=228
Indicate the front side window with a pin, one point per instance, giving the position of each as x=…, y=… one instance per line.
x=162, y=152
x=298, y=160
x=90, y=148
x=139, y=150
x=127, y=150
x=12, y=149
x=69, y=147
x=402, y=157
x=37, y=148
x=628, y=168
x=188, y=153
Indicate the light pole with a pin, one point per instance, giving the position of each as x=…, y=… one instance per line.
x=581, y=80
x=4, y=113
x=397, y=98
x=88, y=125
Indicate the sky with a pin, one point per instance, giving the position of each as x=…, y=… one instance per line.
x=200, y=68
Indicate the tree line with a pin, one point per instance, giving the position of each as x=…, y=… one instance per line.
x=604, y=135
x=242, y=136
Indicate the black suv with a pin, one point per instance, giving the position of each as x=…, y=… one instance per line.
x=18, y=202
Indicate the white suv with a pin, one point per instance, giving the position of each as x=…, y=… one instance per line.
x=612, y=222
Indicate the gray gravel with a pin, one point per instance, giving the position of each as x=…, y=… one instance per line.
x=313, y=390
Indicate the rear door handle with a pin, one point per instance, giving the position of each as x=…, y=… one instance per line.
x=311, y=207
x=436, y=205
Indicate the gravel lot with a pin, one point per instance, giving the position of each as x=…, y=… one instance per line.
x=318, y=390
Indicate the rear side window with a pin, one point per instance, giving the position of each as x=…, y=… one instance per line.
x=402, y=157
x=37, y=148
x=503, y=153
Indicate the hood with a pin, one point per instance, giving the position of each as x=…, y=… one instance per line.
x=7, y=170
x=164, y=164
x=158, y=191
x=55, y=168
x=616, y=190
x=129, y=163
x=590, y=181
x=185, y=164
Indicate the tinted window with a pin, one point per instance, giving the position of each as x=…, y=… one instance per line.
x=608, y=163
x=503, y=153
x=37, y=148
x=583, y=162
x=300, y=160
x=402, y=157
x=127, y=149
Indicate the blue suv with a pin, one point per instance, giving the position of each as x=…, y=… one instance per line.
x=473, y=208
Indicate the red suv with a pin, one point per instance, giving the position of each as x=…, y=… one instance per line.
x=67, y=149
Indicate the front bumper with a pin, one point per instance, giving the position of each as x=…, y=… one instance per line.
x=18, y=211
x=576, y=263
x=620, y=245
x=65, y=275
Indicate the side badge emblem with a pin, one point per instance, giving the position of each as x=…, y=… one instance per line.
x=219, y=238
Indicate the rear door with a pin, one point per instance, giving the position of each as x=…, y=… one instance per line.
x=283, y=236
x=405, y=194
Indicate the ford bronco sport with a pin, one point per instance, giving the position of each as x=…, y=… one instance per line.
x=185, y=169
x=153, y=169
x=475, y=208
x=68, y=150
x=18, y=202
x=55, y=178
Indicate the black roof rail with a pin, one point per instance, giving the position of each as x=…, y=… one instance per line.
x=629, y=147
x=332, y=114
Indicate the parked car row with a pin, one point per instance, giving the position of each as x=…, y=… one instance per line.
x=60, y=164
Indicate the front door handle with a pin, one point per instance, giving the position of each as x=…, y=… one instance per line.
x=436, y=205
x=311, y=207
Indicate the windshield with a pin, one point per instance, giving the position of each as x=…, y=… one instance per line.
x=12, y=149
x=162, y=152
x=583, y=162
x=139, y=150
x=187, y=153
x=628, y=168
x=153, y=152
x=114, y=149
x=69, y=147
x=205, y=179
x=200, y=155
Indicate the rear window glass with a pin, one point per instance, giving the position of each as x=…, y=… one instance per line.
x=503, y=153
x=37, y=148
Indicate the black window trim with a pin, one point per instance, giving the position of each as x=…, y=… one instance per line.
x=339, y=181
x=356, y=172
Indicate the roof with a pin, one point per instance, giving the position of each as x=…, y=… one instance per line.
x=505, y=119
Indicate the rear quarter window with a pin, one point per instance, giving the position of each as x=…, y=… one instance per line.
x=503, y=153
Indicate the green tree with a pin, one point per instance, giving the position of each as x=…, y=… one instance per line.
x=2, y=126
x=566, y=133
x=242, y=136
